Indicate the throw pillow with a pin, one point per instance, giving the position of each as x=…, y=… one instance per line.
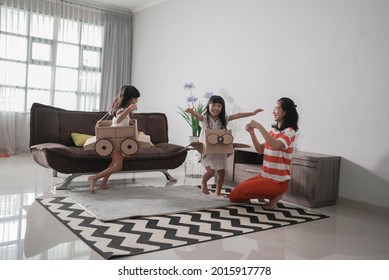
x=79, y=139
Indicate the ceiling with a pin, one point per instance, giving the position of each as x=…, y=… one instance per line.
x=132, y=6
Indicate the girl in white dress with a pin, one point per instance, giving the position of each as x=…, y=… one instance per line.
x=215, y=117
x=122, y=108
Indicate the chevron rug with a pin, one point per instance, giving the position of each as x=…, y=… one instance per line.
x=129, y=237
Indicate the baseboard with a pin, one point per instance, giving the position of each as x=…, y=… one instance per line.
x=371, y=208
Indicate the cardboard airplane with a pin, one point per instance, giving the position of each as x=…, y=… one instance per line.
x=217, y=141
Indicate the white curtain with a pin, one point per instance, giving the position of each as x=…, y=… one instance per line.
x=14, y=132
x=51, y=53
x=14, y=120
x=116, y=56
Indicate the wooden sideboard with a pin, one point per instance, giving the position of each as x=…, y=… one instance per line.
x=315, y=177
x=243, y=164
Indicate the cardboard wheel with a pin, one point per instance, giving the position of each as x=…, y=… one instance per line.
x=225, y=139
x=213, y=138
x=129, y=146
x=103, y=147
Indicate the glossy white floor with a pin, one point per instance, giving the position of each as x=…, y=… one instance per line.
x=27, y=231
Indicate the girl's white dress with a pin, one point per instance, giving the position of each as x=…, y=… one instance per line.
x=124, y=122
x=214, y=161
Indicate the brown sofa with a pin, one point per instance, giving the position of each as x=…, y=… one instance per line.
x=52, y=147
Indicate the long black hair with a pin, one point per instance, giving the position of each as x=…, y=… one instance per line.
x=222, y=116
x=125, y=94
x=291, y=116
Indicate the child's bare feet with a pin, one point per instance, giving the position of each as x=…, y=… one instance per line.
x=218, y=191
x=221, y=196
x=104, y=186
x=92, y=183
x=204, y=188
x=272, y=202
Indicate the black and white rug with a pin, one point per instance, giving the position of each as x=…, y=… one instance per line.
x=128, y=237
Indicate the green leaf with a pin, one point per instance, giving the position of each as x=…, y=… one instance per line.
x=191, y=120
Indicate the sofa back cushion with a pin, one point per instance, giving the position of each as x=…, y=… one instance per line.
x=155, y=125
x=50, y=124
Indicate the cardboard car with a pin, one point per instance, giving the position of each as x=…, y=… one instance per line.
x=108, y=138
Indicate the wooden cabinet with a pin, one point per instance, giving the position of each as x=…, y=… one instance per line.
x=315, y=177
x=243, y=164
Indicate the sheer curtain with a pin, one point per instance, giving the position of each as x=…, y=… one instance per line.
x=13, y=52
x=117, y=64
x=14, y=132
x=51, y=52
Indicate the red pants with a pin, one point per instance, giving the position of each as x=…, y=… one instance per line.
x=258, y=187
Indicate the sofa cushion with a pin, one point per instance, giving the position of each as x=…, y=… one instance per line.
x=76, y=160
x=79, y=139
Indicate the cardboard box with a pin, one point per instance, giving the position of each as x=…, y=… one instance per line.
x=217, y=141
x=116, y=135
x=103, y=129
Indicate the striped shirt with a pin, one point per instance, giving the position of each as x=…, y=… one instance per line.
x=276, y=163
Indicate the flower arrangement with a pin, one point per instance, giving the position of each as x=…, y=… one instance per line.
x=197, y=105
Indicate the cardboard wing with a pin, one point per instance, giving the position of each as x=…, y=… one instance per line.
x=90, y=143
x=144, y=140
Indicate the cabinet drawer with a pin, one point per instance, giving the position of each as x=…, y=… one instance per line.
x=304, y=163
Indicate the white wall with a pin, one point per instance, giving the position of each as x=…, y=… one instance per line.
x=331, y=57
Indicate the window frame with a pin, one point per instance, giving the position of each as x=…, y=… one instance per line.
x=52, y=63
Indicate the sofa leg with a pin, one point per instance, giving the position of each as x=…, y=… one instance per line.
x=169, y=177
x=64, y=184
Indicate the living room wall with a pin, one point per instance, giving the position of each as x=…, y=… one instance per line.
x=331, y=57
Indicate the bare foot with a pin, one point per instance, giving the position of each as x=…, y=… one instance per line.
x=272, y=203
x=222, y=196
x=204, y=188
x=104, y=187
x=219, y=193
x=91, y=184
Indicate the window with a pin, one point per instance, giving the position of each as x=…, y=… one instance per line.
x=49, y=59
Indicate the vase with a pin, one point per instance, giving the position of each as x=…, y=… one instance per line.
x=193, y=139
x=193, y=166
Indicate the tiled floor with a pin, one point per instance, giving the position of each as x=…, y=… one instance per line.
x=27, y=231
